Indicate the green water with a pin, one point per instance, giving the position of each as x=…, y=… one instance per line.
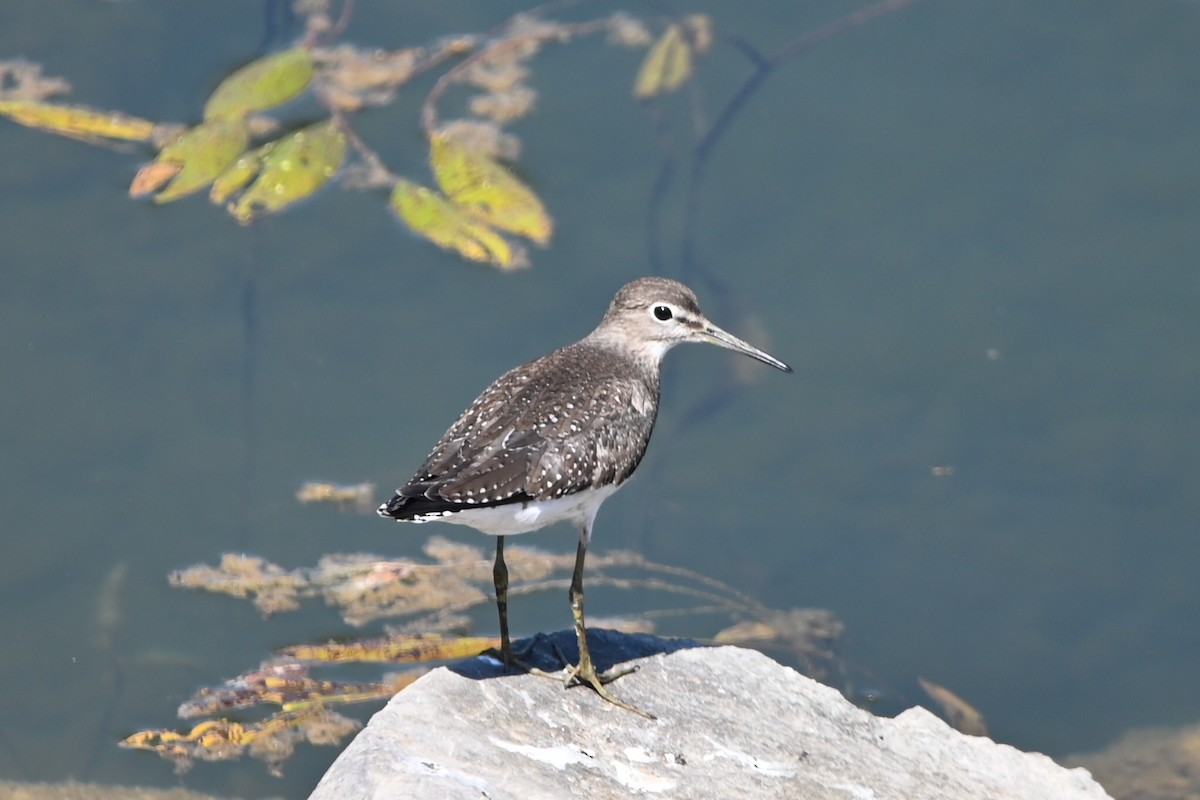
x=970, y=226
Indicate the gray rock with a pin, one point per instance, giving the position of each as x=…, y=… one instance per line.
x=731, y=723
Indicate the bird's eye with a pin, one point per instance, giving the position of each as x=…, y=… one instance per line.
x=662, y=313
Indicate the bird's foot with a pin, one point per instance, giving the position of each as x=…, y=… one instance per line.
x=570, y=675
x=575, y=675
x=515, y=660
x=510, y=664
x=585, y=673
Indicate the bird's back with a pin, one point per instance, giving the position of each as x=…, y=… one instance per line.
x=574, y=420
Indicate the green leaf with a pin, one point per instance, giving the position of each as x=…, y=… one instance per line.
x=447, y=225
x=667, y=66
x=239, y=174
x=293, y=168
x=195, y=159
x=486, y=189
x=262, y=84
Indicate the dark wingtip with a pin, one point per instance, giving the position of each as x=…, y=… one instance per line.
x=392, y=508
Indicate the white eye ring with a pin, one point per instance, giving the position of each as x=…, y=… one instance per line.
x=662, y=312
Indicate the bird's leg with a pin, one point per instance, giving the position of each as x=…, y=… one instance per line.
x=500, y=580
x=585, y=670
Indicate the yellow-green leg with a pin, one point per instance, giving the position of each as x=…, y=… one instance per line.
x=585, y=670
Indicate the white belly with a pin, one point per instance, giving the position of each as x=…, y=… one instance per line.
x=514, y=518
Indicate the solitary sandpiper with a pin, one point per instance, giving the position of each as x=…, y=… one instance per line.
x=550, y=440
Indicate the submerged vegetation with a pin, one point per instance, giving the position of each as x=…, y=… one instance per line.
x=277, y=131
x=427, y=603
x=255, y=165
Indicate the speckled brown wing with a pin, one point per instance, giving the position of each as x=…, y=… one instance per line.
x=572, y=420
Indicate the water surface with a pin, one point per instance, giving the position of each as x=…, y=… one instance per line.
x=971, y=227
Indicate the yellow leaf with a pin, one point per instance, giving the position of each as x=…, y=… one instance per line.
x=295, y=167
x=358, y=497
x=449, y=226
x=77, y=121
x=152, y=177
x=962, y=715
x=488, y=190
x=262, y=84
x=745, y=632
x=271, y=739
x=287, y=685
x=200, y=155
x=668, y=65
x=358, y=694
x=416, y=649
